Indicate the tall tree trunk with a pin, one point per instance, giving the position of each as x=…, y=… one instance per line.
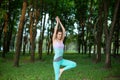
x=33, y=22
x=34, y=16
x=88, y=28
x=25, y=40
x=99, y=33
x=82, y=38
x=51, y=34
x=48, y=47
x=81, y=17
x=116, y=35
x=20, y=34
x=10, y=35
x=42, y=38
x=82, y=44
x=10, y=27
x=90, y=48
x=79, y=40
x=116, y=41
x=85, y=45
x=5, y=30
x=108, y=51
x=48, y=41
x=110, y=33
x=32, y=37
x=1, y=30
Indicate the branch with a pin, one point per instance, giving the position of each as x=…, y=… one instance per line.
x=114, y=18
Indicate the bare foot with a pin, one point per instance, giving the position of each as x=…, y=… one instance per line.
x=61, y=71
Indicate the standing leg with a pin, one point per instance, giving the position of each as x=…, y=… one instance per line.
x=56, y=66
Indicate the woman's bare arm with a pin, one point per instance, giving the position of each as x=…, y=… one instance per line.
x=55, y=29
x=63, y=29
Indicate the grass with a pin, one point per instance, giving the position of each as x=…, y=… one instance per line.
x=43, y=70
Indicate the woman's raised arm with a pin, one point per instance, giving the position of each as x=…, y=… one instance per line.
x=55, y=29
x=63, y=29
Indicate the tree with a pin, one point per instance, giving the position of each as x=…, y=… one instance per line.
x=5, y=30
x=99, y=31
x=20, y=34
x=81, y=12
x=109, y=31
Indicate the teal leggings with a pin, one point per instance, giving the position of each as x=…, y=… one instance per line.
x=67, y=63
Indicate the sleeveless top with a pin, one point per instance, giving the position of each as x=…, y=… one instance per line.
x=58, y=50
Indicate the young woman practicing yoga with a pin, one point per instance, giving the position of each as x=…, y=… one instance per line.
x=58, y=46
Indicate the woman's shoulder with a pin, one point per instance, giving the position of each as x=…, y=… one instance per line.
x=56, y=41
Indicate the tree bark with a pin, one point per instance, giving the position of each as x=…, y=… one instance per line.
x=1, y=30
x=48, y=41
x=25, y=40
x=90, y=47
x=33, y=22
x=78, y=42
x=32, y=38
x=5, y=30
x=116, y=40
x=109, y=33
x=10, y=26
x=99, y=33
x=51, y=35
x=42, y=38
x=20, y=34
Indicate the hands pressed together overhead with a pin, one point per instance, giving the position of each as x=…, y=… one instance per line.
x=57, y=19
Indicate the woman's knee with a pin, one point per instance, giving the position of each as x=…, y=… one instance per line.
x=74, y=64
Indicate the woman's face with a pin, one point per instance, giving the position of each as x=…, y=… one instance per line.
x=59, y=35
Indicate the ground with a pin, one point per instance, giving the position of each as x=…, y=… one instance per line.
x=43, y=70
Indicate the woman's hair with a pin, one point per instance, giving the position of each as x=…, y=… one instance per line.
x=59, y=30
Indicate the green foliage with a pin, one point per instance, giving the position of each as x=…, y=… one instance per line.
x=2, y=12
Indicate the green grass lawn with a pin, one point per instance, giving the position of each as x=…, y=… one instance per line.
x=43, y=70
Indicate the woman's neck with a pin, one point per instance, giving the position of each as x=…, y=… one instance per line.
x=58, y=40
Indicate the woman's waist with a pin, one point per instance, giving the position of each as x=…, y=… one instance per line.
x=56, y=59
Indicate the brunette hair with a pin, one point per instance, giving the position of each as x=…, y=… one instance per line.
x=59, y=30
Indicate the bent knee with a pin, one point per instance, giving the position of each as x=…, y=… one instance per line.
x=74, y=64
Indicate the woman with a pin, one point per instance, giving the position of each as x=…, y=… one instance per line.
x=58, y=47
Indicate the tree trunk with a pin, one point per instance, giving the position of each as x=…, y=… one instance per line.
x=81, y=9
x=99, y=33
x=78, y=42
x=88, y=28
x=108, y=51
x=85, y=47
x=42, y=38
x=48, y=47
x=1, y=30
x=5, y=30
x=10, y=27
x=33, y=23
x=83, y=41
x=34, y=16
x=25, y=38
x=116, y=35
x=94, y=50
x=48, y=40
x=20, y=34
x=51, y=35
x=90, y=47
x=32, y=38
x=110, y=33
x=116, y=41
